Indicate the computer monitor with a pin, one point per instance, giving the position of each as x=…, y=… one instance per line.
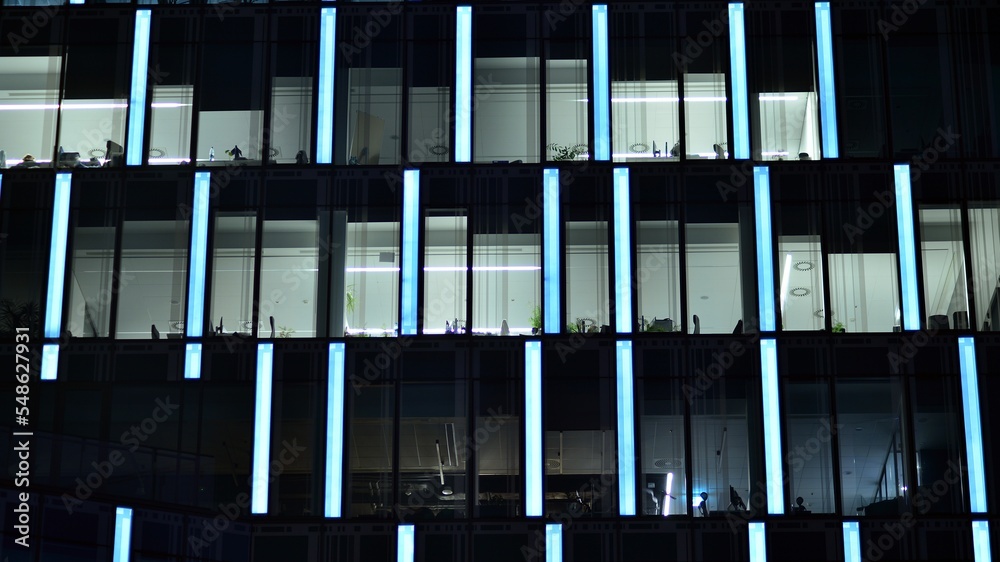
x=68, y=159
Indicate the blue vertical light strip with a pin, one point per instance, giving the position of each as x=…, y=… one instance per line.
x=533, y=428
x=738, y=63
x=623, y=252
x=765, y=251
x=827, y=94
x=195, y=323
x=601, y=94
x=772, y=426
x=334, y=430
x=405, y=543
x=262, y=429
x=463, y=84
x=137, y=100
x=411, y=245
x=324, y=113
x=123, y=534
x=57, y=256
x=550, y=252
x=973, y=424
x=553, y=542
x=626, y=430
x=50, y=362
x=981, y=541
x=758, y=542
x=192, y=361
x=852, y=542
x=907, y=247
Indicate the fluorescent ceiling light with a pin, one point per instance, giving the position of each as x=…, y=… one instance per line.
x=776, y=97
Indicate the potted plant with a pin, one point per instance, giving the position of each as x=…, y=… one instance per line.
x=565, y=152
x=838, y=328
x=536, y=320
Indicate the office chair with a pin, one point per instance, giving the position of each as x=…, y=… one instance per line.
x=697, y=324
x=218, y=329
x=271, y=319
x=735, y=501
x=719, y=153
x=155, y=332
x=739, y=327
x=656, y=153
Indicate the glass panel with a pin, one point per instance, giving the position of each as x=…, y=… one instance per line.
x=783, y=99
x=663, y=483
x=171, y=81
x=432, y=458
x=588, y=281
x=445, y=271
x=946, y=299
x=719, y=445
x=657, y=234
x=96, y=90
x=369, y=93
x=706, y=130
x=370, y=451
x=809, y=432
x=506, y=87
x=939, y=438
x=233, y=272
x=506, y=261
x=432, y=52
x=800, y=267
x=289, y=275
x=293, y=70
x=644, y=100
x=713, y=247
x=984, y=238
x=496, y=440
x=29, y=103
x=92, y=273
x=872, y=457
x=24, y=260
x=861, y=84
x=566, y=79
x=154, y=266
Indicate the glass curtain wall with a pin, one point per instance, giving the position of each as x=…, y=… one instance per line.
x=663, y=486
x=431, y=58
x=984, y=242
x=859, y=51
x=94, y=219
x=657, y=211
x=25, y=224
x=799, y=263
x=586, y=216
x=703, y=80
x=173, y=51
x=784, y=106
x=293, y=62
x=942, y=254
x=568, y=46
x=494, y=443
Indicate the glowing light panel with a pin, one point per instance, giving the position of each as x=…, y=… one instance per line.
x=973, y=424
x=123, y=534
x=602, y=95
x=533, y=428
x=411, y=245
x=738, y=56
x=199, y=251
x=907, y=247
x=324, y=113
x=262, y=429
x=765, y=253
x=758, y=542
x=852, y=542
x=551, y=253
x=623, y=252
x=772, y=426
x=626, y=430
x=463, y=84
x=404, y=543
x=827, y=99
x=192, y=361
x=981, y=540
x=137, y=99
x=57, y=256
x=335, y=430
x=553, y=542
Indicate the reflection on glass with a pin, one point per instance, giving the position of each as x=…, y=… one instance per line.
x=170, y=116
x=658, y=273
x=788, y=126
x=719, y=446
x=800, y=291
x=715, y=301
x=644, y=120
x=153, y=285
x=29, y=104
x=872, y=458
x=663, y=483
x=371, y=450
x=288, y=278
x=233, y=273
x=372, y=276
x=429, y=103
x=946, y=300
x=91, y=276
x=498, y=456
x=809, y=453
x=445, y=271
x=291, y=119
x=566, y=109
x=432, y=450
x=506, y=279
x=864, y=292
x=984, y=238
x=588, y=282
x=939, y=438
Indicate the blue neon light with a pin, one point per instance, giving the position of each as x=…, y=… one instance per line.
x=981, y=541
x=827, y=98
x=335, y=430
x=553, y=542
x=623, y=252
x=192, y=361
x=1, y=182
x=852, y=542
x=324, y=113
x=50, y=362
x=533, y=428
x=758, y=542
x=772, y=426
x=765, y=253
x=199, y=252
x=57, y=256
x=601, y=95
x=411, y=245
x=973, y=424
x=404, y=543
x=76, y=1
x=626, y=430
x=907, y=247
x=262, y=429
x=463, y=84
x=738, y=56
x=551, y=253
x=123, y=534
x=137, y=101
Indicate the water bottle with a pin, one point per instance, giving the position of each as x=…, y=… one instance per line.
x=211, y=154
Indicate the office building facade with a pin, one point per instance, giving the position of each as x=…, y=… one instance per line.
x=500, y=281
